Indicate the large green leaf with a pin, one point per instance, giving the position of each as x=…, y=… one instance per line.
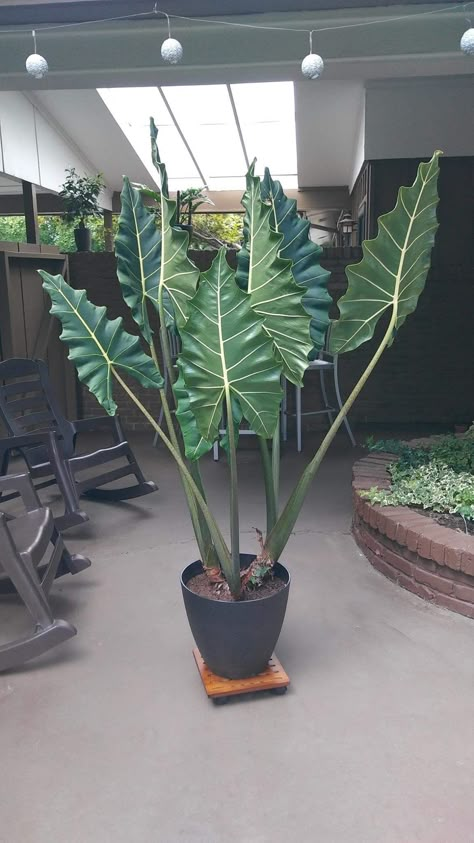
x=137, y=248
x=394, y=266
x=178, y=275
x=194, y=443
x=97, y=345
x=152, y=262
x=226, y=353
x=268, y=279
x=305, y=257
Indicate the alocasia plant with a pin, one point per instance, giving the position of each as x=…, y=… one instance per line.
x=240, y=333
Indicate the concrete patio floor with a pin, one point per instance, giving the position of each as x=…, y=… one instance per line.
x=111, y=739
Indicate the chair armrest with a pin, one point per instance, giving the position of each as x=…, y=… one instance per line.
x=13, y=443
x=21, y=483
x=110, y=423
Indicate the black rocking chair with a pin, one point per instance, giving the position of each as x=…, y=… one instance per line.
x=29, y=409
x=24, y=542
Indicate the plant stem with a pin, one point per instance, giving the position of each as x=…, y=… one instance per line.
x=208, y=553
x=220, y=545
x=269, y=484
x=234, y=496
x=194, y=512
x=278, y=538
x=276, y=466
x=201, y=529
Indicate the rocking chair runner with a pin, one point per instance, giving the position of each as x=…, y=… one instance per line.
x=24, y=542
x=28, y=406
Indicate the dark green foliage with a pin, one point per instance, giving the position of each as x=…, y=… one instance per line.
x=455, y=452
x=80, y=195
x=437, y=476
x=305, y=256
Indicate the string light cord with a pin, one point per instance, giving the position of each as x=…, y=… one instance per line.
x=264, y=27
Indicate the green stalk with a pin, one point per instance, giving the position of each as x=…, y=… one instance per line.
x=234, y=500
x=278, y=538
x=217, y=537
x=276, y=466
x=194, y=511
x=209, y=557
x=269, y=484
x=201, y=530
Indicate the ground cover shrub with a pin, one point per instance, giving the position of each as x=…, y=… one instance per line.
x=438, y=476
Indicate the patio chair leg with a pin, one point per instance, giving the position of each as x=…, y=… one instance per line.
x=339, y=402
x=142, y=487
x=69, y=563
x=73, y=514
x=34, y=645
x=327, y=407
x=27, y=585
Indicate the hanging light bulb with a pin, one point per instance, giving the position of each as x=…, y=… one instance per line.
x=36, y=65
x=171, y=49
x=312, y=65
x=467, y=42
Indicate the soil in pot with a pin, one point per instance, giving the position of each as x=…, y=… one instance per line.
x=205, y=588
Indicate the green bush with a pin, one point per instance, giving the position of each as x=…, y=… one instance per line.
x=437, y=476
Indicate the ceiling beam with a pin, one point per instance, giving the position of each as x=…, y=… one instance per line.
x=74, y=11
x=12, y=204
x=238, y=126
x=183, y=137
x=229, y=201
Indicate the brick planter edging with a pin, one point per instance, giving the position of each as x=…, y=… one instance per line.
x=434, y=562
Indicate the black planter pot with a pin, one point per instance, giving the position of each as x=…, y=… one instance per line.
x=82, y=236
x=236, y=639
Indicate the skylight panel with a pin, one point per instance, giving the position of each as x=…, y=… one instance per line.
x=202, y=139
x=132, y=109
x=266, y=112
x=204, y=114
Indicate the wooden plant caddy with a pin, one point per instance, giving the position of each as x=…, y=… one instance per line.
x=218, y=689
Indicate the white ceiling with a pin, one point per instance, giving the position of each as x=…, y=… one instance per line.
x=326, y=118
x=326, y=126
x=126, y=54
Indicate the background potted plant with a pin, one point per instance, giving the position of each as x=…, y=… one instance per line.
x=80, y=195
x=188, y=201
x=240, y=332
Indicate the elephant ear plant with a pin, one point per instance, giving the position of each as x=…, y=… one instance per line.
x=240, y=333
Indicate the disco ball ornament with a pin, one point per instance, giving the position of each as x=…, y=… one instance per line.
x=312, y=66
x=467, y=42
x=36, y=66
x=171, y=51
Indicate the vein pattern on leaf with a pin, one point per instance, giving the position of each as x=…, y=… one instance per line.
x=98, y=345
x=305, y=256
x=194, y=443
x=228, y=355
x=268, y=279
x=394, y=266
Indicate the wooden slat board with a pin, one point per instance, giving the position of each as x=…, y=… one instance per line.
x=273, y=678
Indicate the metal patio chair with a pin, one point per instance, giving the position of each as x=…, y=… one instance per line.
x=26, y=571
x=28, y=406
x=325, y=363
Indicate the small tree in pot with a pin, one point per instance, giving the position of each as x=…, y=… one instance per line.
x=80, y=195
x=241, y=331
